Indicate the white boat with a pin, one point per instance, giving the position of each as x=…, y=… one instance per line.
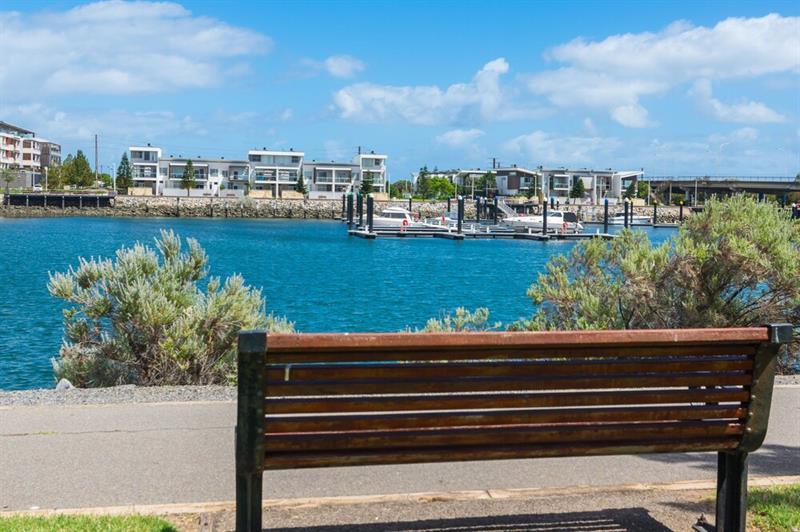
x=395, y=218
x=557, y=221
x=619, y=219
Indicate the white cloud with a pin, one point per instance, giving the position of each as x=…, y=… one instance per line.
x=615, y=73
x=343, y=66
x=286, y=114
x=456, y=138
x=749, y=112
x=589, y=127
x=117, y=47
x=480, y=99
x=548, y=149
x=121, y=125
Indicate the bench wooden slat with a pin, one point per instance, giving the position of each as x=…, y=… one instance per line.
x=348, y=422
x=458, y=370
x=498, y=435
x=283, y=388
x=506, y=452
x=376, y=354
x=406, y=342
x=299, y=405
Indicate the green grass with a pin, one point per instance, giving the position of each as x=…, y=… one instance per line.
x=85, y=523
x=775, y=509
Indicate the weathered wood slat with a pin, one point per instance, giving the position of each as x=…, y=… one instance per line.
x=349, y=372
x=428, y=341
x=297, y=405
x=378, y=354
x=444, y=384
x=498, y=435
x=453, y=454
x=348, y=422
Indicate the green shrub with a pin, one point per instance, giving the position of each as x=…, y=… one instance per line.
x=736, y=264
x=463, y=321
x=142, y=318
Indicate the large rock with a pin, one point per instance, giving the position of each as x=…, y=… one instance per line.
x=63, y=385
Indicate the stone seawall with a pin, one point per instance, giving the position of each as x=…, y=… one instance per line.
x=224, y=208
x=284, y=208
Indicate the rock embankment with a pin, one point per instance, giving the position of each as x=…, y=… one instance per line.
x=223, y=208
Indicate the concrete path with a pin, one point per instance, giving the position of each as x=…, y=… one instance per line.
x=80, y=456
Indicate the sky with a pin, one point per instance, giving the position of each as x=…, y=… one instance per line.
x=676, y=88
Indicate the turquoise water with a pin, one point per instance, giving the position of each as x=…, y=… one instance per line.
x=310, y=271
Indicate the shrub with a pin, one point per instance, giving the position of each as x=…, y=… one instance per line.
x=463, y=321
x=142, y=318
x=736, y=264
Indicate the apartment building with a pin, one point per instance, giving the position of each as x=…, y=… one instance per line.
x=275, y=171
x=265, y=173
x=145, y=169
x=373, y=166
x=11, y=145
x=22, y=151
x=515, y=180
x=329, y=180
x=597, y=184
x=51, y=154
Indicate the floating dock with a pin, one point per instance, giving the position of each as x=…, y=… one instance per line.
x=484, y=233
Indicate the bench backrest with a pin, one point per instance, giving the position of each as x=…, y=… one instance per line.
x=314, y=400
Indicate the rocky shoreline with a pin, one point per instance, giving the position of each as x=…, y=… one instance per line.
x=161, y=207
x=164, y=207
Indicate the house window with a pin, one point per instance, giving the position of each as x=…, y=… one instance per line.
x=214, y=172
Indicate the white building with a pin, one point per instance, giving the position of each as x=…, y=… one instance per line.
x=373, y=166
x=273, y=170
x=329, y=180
x=144, y=167
x=265, y=173
x=21, y=150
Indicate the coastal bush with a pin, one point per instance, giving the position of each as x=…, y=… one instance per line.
x=735, y=264
x=463, y=321
x=143, y=318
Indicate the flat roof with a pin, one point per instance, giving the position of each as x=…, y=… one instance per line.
x=12, y=127
x=276, y=152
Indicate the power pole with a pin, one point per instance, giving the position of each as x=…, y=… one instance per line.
x=96, y=175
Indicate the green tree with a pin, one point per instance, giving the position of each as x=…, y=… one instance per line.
x=55, y=177
x=144, y=317
x=486, y=183
x=530, y=193
x=440, y=188
x=423, y=180
x=188, y=180
x=106, y=179
x=735, y=264
x=8, y=176
x=578, y=189
x=300, y=186
x=400, y=188
x=366, y=184
x=80, y=174
x=124, y=172
x=637, y=189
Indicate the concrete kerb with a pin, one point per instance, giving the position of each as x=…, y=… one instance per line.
x=422, y=497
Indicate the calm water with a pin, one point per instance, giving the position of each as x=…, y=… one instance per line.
x=310, y=271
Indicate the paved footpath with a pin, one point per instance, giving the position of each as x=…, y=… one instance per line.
x=157, y=453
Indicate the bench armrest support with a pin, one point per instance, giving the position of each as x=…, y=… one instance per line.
x=761, y=391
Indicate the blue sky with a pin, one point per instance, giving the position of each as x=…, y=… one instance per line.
x=676, y=88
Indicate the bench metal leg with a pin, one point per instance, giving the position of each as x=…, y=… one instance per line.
x=250, y=429
x=248, y=502
x=731, y=492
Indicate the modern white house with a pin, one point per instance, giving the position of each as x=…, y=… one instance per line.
x=329, y=180
x=372, y=166
x=144, y=167
x=273, y=170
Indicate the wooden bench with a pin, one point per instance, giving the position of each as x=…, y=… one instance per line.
x=318, y=400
